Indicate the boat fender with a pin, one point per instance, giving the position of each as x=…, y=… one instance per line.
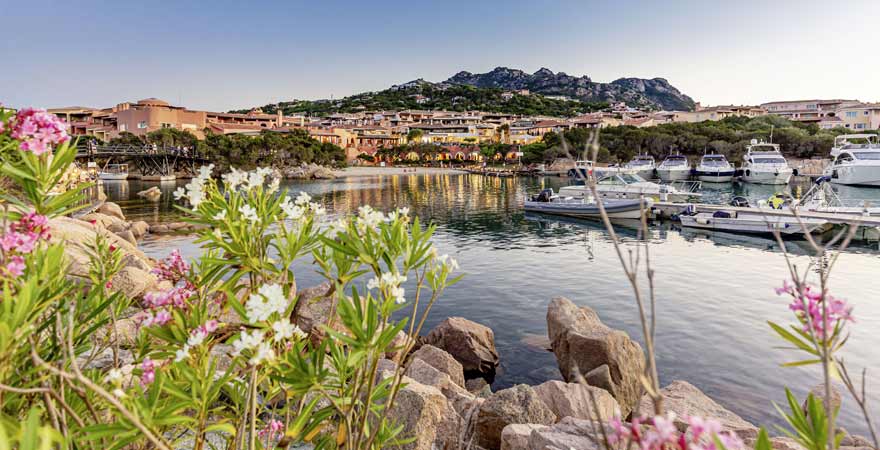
x=703, y=221
x=794, y=172
x=748, y=172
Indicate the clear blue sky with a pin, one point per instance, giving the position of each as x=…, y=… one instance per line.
x=223, y=55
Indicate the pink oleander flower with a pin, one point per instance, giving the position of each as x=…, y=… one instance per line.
x=173, y=268
x=149, y=372
x=15, y=266
x=175, y=296
x=38, y=130
x=819, y=313
x=661, y=433
x=273, y=429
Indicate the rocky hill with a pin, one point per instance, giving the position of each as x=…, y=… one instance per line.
x=654, y=93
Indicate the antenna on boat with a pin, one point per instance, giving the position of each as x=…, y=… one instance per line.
x=771, y=134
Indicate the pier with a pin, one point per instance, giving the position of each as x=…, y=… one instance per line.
x=156, y=162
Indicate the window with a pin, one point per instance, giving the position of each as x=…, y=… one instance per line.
x=852, y=114
x=860, y=126
x=123, y=127
x=142, y=125
x=166, y=125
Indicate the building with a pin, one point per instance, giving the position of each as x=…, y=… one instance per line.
x=857, y=117
x=702, y=114
x=806, y=110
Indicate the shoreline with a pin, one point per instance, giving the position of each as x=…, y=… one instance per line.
x=370, y=171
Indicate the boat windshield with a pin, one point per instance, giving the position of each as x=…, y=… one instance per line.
x=641, y=162
x=630, y=178
x=766, y=160
x=872, y=156
x=714, y=161
x=675, y=162
x=620, y=179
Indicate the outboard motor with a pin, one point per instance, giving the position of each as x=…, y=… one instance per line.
x=543, y=196
x=740, y=201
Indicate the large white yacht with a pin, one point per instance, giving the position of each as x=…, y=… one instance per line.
x=643, y=166
x=674, y=168
x=625, y=185
x=714, y=169
x=856, y=160
x=764, y=164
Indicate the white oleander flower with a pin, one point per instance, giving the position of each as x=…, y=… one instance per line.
x=257, y=177
x=249, y=213
x=319, y=210
x=181, y=353
x=247, y=341
x=274, y=184
x=303, y=199
x=118, y=393
x=263, y=353
x=275, y=299
x=450, y=263
x=205, y=171
x=291, y=210
x=285, y=330
x=114, y=376
x=398, y=294
x=179, y=193
x=220, y=215
x=234, y=179
x=368, y=218
x=196, y=338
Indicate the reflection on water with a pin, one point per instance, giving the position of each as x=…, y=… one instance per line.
x=714, y=290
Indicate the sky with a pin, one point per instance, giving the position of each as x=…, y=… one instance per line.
x=227, y=55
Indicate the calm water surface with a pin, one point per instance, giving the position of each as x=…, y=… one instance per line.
x=714, y=291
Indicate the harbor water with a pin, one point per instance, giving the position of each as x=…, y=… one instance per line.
x=715, y=291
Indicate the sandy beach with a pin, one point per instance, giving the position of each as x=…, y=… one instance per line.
x=369, y=171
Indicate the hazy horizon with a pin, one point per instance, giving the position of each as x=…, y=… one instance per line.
x=221, y=56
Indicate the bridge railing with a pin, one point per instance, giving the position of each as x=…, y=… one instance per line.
x=91, y=148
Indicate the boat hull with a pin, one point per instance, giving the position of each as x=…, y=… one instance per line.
x=718, y=176
x=673, y=174
x=782, y=176
x=158, y=178
x=634, y=194
x=754, y=224
x=647, y=174
x=113, y=176
x=615, y=209
x=866, y=175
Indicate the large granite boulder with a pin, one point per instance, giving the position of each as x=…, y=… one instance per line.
x=605, y=357
x=111, y=209
x=519, y=404
x=569, y=433
x=471, y=344
x=426, y=416
x=315, y=307
x=684, y=399
x=516, y=435
x=441, y=361
x=458, y=396
x=573, y=400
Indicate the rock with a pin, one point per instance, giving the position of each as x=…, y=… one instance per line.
x=133, y=282
x=139, y=228
x=176, y=226
x=685, y=400
x=128, y=236
x=536, y=341
x=818, y=392
x=117, y=227
x=398, y=345
x=223, y=355
x=152, y=194
x=126, y=331
x=855, y=441
x=573, y=400
x=79, y=236
x=314, y=308
x=479, y=387
x=426, y=374
x=104, y=359
x=516, y=435
x=111, y=209
x=518, y=404
x=101, y=220
x=569, y=433
x=422, y=411
x=471, y=344
x=582, y=344
x=441, y=361
x=159, y=228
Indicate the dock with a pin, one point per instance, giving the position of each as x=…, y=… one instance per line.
x=668, y=209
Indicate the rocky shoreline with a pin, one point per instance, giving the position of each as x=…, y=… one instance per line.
x=447, y=402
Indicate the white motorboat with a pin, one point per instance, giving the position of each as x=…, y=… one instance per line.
x=822, y=198
x=714, y=169
x=630, y=186
x=643, y=165
x=674, y=168
x=753, y=222
x=764, y=164
x=585, y=207
x=114, y=172
x=582, y=169
x=856, y=160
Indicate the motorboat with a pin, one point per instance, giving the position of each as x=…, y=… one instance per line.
x=674, y=168
x=764, y=164
x=114, y=172
x=854, y=162
x=756, y=222
x=547, y=202
x=822, y=198
x=714, y=169
x=629, y=186
x=582, y=169
x=643, y=166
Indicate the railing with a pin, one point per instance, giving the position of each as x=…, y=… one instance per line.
x=85, y=149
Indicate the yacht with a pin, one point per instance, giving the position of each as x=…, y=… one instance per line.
x=643, y=165
x=547, y=202
x=674, y=168
x=114, y=172
x=854, y=162
x=624, y=185
x=715, y=169
x=764, y=164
